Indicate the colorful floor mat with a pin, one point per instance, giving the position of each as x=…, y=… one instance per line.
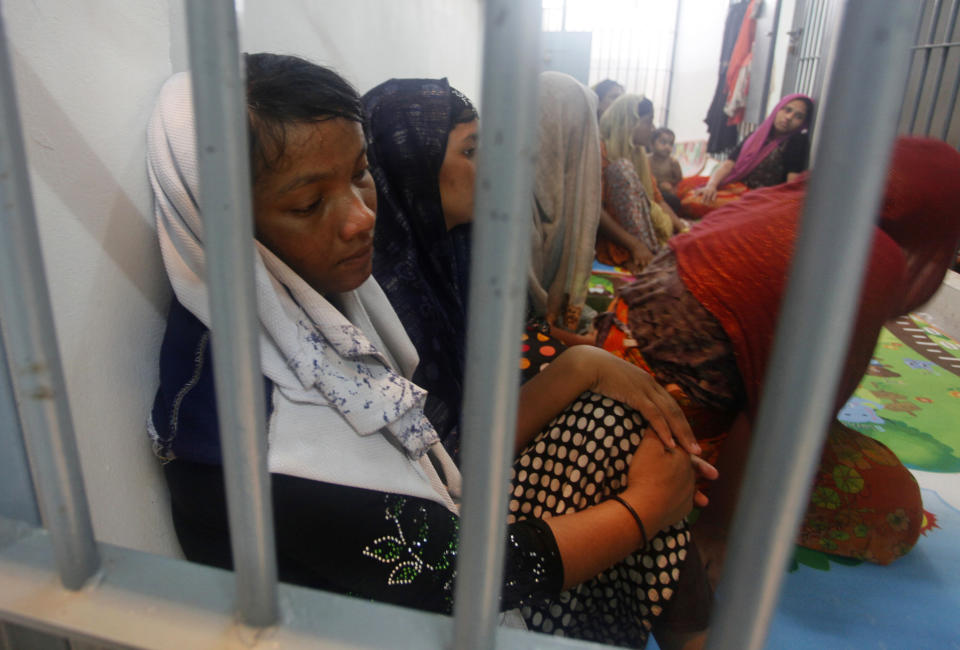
x=913, y=603
x=910, y=401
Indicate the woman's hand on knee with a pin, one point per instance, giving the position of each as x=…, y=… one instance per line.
x=625, y=382
x=662, y=482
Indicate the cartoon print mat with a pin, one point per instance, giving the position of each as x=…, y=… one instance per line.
x=909, y=400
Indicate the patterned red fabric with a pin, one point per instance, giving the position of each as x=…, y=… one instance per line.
x=735, y=261
x=864, y=503
x=694, y=207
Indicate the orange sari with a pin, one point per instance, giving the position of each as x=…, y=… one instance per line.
x=694, y=207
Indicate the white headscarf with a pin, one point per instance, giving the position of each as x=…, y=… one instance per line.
x=567, y=195
x=344, y=408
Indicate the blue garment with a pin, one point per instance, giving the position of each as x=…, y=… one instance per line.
x=421, y=266
x=184, y=414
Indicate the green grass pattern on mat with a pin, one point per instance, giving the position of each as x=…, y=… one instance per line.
x=909, y=404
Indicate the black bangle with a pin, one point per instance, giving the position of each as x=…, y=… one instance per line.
x=636, y=518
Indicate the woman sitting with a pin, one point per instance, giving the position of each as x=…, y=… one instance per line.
x=777, y=152
x=422, y=139
x=637, y=221
x=702, y=318
x=607, y=92
x=349, y=447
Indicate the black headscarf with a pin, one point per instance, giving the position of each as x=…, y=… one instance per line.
x=420, y=265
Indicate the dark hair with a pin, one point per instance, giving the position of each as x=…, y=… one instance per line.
x=645, y=107
x=605, y=86
x=283, y=90
x=809, y=104
x=662, y=131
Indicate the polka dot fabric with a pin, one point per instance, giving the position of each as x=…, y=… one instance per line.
x=538, y=349
x=579, y=460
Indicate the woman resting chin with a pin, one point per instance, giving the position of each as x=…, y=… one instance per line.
x=365, y=497
x=776, y=152
x=702, y=316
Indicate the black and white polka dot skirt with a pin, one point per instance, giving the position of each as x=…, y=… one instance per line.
x=579, y=460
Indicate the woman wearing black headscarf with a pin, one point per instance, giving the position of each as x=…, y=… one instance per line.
x=422, y=135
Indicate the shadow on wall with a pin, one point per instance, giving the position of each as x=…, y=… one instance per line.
x=107, y=284
x=122, y=231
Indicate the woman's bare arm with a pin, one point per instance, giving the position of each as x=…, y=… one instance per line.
x=640, y=254
x=661, y=489
x=709, y=191
x=586, y=368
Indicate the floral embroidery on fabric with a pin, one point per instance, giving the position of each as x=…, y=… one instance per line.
x=405, y=550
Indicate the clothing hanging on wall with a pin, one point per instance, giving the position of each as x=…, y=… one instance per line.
x=738, y=69
x=723, y=136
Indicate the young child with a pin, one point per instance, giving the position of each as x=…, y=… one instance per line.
x=665, y=167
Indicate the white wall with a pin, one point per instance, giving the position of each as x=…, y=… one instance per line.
x=370, y=41
x=87, y=75
x=697, y=63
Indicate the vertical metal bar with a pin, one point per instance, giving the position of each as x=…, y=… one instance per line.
x=807, y=46
x=17, y=497
x=768, y=75
x=823, y=44
x=952, y=105
x=819, y=306
x=797, y=33
x=934, y=19
x=951, y=20
x=225, y=203
x=498, y=289
x=914, y=54
x=31, y=342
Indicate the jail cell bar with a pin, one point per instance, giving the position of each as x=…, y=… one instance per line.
x=150, y=591
x=926, y=80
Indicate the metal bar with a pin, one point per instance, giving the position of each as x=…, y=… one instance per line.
x=806, y=46
x=951, y=21
x=152, y=602
x=498, y=289
x=225, y=204
x=934, y=19
x=825, y=33
x=17, y=497
x=930, y=46
x=763, y=55
x=952, y=104
x=866, y=86
x=31, y=343
x=812, y=56
x=913, y=58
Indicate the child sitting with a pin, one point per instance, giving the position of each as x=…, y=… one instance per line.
x=664, y=167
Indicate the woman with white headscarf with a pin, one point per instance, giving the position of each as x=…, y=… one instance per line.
x=566, y=205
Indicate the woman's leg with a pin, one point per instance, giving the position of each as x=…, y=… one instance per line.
x=579, y=460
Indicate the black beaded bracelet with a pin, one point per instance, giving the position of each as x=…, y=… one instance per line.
x=636, y=518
